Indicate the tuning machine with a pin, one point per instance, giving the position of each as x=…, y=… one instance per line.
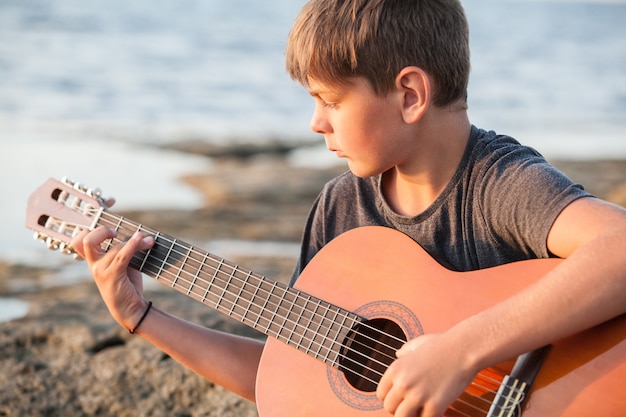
x=54, y=244
x=91, y=192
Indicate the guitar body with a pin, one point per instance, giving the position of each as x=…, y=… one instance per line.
x=578, y=378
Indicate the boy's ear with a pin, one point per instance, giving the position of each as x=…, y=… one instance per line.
x=413, y=84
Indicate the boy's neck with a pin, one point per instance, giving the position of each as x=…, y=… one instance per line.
x=411, y=188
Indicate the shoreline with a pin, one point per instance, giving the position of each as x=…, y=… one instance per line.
x=67, y=356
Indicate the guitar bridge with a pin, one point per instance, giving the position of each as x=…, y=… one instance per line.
x=509, y=398
x=512, y=392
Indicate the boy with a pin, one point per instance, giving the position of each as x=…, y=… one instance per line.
x=389, y=79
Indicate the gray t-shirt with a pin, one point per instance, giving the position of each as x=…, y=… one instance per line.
x=498, y=208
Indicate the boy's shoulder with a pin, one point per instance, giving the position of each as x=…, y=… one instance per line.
x=489, y=142
x=489, y=151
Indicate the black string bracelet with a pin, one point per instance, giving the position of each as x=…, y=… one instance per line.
x=145, y=313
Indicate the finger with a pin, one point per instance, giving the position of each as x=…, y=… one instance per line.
x=92, y=243
x=77, y=243
x=384, y=386
x=392, y=401
x=409, y=346
x=136, y=243
x=109, y=202
x=385, y=393
x=406, y=409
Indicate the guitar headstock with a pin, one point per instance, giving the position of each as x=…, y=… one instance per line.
x=59, y=210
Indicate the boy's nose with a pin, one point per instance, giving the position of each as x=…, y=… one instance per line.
x=319, y=124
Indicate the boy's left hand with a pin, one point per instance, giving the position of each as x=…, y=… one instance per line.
x=427, y=376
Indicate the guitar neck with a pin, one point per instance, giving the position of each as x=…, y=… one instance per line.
x=300, y=320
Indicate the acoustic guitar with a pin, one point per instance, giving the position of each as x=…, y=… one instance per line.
x=332, y=336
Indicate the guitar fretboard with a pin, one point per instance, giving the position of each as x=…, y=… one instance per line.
x=302, y=321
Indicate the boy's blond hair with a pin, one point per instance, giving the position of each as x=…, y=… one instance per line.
x=333, y=40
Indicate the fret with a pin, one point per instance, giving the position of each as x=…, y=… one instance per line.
x=290, y=314
x=273, y=312
x=210, y=283
x=280, y=318
x=285, y=317
x=330, y=323
x=318, y=335
x=238, y=296
x=109, y=242
x=182, y=263
x=197, y=274
x=225, y=288
x=263, y=307
x=145, y=258
x=304, y=314
x=167, y=255
x=295, y=312
x=251, y=302
x=289, y=326
x=341, y=333
x=148, y=266
x=308, y=329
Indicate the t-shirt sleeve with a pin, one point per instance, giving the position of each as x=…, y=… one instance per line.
x=522, y=195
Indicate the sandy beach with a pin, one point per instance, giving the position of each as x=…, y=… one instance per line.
x=66, y=356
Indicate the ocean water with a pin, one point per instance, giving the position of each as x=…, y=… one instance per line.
x=85, y=86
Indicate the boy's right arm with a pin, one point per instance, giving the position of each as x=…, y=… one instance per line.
x=227, y=360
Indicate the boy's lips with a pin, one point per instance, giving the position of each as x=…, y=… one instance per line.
x=336, y=152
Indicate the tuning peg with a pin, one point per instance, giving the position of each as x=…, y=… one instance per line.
x=66, y=180
x=66, y=249
x=52, y=243
x=40, y=236
x=94, y=193
x=80, y=187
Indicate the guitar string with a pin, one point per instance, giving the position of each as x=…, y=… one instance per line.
x=235, y=269
x=313, y=342
x=219, y=273
x=218, y=276
x=191, y=248
x=467, y=404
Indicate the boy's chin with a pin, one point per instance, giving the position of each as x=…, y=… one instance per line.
x=363, y=172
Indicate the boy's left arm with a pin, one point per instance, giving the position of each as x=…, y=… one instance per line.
x=588, y=288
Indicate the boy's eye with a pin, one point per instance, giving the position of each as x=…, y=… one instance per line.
x=326, y=102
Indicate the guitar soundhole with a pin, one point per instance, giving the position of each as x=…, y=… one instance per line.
x=368, y=351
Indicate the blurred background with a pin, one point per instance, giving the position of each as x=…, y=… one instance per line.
x=92, y=89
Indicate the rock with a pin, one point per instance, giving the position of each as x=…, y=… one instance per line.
x=238, y=149
x=68, y=358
